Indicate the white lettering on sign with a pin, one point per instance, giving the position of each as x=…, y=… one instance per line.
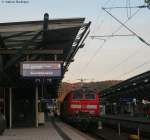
x=44, y=68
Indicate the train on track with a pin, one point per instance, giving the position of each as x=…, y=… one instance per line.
x=81, y=107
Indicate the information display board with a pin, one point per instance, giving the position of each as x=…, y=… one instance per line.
x=41, y=69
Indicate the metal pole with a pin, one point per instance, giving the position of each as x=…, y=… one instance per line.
x=4, y=92
x=119, y=128
x=10, y=108
x=42, y=87
x=138, y=133
x=55, y=57
x=45, y=25
x=36, y=106
x=27, y=58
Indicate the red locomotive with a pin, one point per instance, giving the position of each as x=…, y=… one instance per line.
x=81, y=107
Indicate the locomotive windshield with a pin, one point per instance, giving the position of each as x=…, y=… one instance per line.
x=84, y=95
x=77, y=95
x=90, y=96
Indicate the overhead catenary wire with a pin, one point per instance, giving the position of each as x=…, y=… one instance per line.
x=134, y=53
x=91, y=58
x=105, y=40
x=112, y=35
x=94, y=28
x=128, y=57
x=101, y=46
x=126, y=7
x=120, y=27
x=132, y=70
x=139, y=37
x=107, y=2
x=135, y=68
x=108, y=37
x=122, y=62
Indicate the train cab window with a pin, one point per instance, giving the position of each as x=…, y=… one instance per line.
x=77, y=96
x=90, y=96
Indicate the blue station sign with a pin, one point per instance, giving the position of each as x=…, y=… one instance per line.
x=41, y=69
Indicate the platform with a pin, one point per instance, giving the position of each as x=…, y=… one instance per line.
x=52, y=130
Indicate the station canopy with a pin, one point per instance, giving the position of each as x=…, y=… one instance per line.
x=55, y=40
x=136, y=87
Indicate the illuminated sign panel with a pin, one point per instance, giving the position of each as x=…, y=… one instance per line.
x=40, y=69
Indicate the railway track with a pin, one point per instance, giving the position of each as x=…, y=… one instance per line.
x=99, y=136
x=108, y=134
x=111, y=134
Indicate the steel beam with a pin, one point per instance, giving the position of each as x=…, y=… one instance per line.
x=79, y=43
x=31, y=51
x=2, y=44
x=36, y=106
x=10, y=108
x=45, y=25
x=18, y=34
x=20, y=51
x=46, y=20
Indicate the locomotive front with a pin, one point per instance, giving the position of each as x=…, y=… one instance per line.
x=82, y=107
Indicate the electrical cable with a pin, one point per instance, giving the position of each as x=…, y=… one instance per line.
x=128, y=57
x=119, y=35
x=101, y=46
x=119, y=28
x=91, y=59
x=122, y=62
x=126, y=7
x=94, y=28
x=139, y=37
x=132, y=70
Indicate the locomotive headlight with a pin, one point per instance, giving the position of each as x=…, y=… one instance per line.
x=92, y=106
x=92, y=112
x=75, y=106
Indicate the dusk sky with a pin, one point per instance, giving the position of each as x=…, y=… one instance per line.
x=116, y=57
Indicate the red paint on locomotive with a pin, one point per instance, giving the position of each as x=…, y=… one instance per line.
x=81, y=105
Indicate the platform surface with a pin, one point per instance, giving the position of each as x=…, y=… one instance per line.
x=52, y=130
